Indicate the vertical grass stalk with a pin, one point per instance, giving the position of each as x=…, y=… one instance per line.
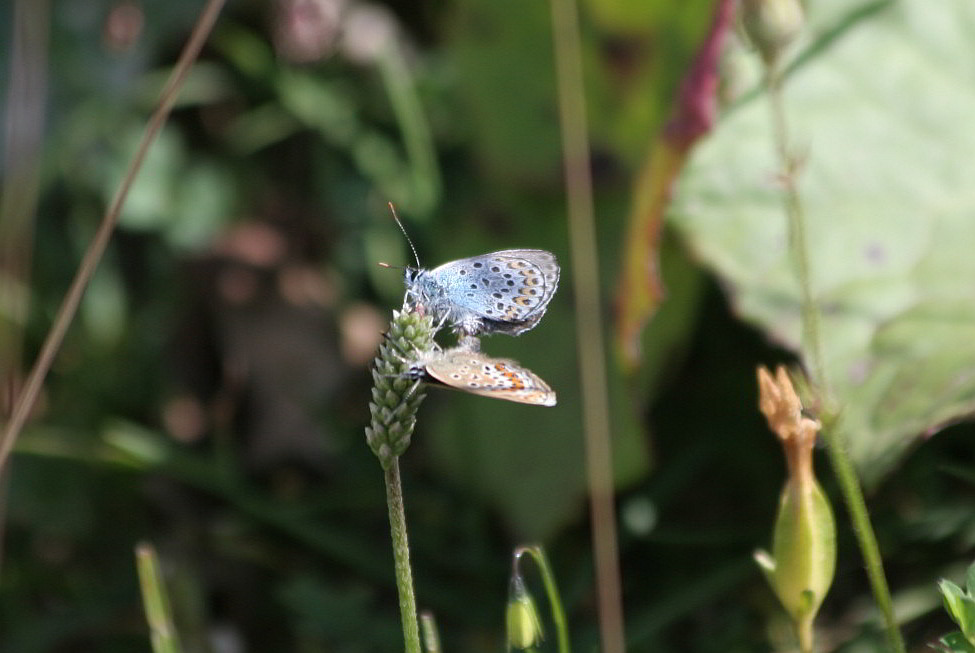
x=155, y=601
x=23, y=135
x=588, y=309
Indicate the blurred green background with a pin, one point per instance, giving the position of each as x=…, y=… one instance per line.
x=211, y=394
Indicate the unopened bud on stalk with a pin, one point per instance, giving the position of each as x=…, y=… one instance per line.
x=523, y=625
x=771, y=25
x=800, y=568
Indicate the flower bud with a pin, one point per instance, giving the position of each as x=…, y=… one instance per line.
x=771, y=24
x=522, y=622
x=800, y=568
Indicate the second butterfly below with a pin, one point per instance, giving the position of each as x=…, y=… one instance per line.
x=477, y=373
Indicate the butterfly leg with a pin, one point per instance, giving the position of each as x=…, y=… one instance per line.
x=412, y=391
x=441, y=322
x=469, y=326
x=469, y=343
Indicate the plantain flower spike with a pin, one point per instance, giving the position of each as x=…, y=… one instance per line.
x=395, y=399
x=803, y=559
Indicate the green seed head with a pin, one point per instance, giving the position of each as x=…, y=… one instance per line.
x=395, y=397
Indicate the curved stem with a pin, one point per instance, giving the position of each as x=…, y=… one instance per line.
x=401, y=557
x=552, y=591
x=812, y=343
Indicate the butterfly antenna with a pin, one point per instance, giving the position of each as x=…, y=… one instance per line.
x=403, y=229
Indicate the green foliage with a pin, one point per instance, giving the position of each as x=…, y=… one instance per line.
x=960, y=605
x=211, y=398
x=155, y=599
x=956, y=643
x=887, y=210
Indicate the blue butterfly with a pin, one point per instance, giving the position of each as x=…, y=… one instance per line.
x=501, y=292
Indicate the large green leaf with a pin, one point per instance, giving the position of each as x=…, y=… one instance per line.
x=882, y=108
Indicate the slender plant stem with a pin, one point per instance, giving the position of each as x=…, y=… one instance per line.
x=155, y=601
x=811, y=336
x=23, y=136
x=66, y=312
x=589, y=335
x=856, y=505
x=812, y=342
x=805, y=631
x=401, y=558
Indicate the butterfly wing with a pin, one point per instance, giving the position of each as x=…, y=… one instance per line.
x=508, y=290
x=479, y=374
